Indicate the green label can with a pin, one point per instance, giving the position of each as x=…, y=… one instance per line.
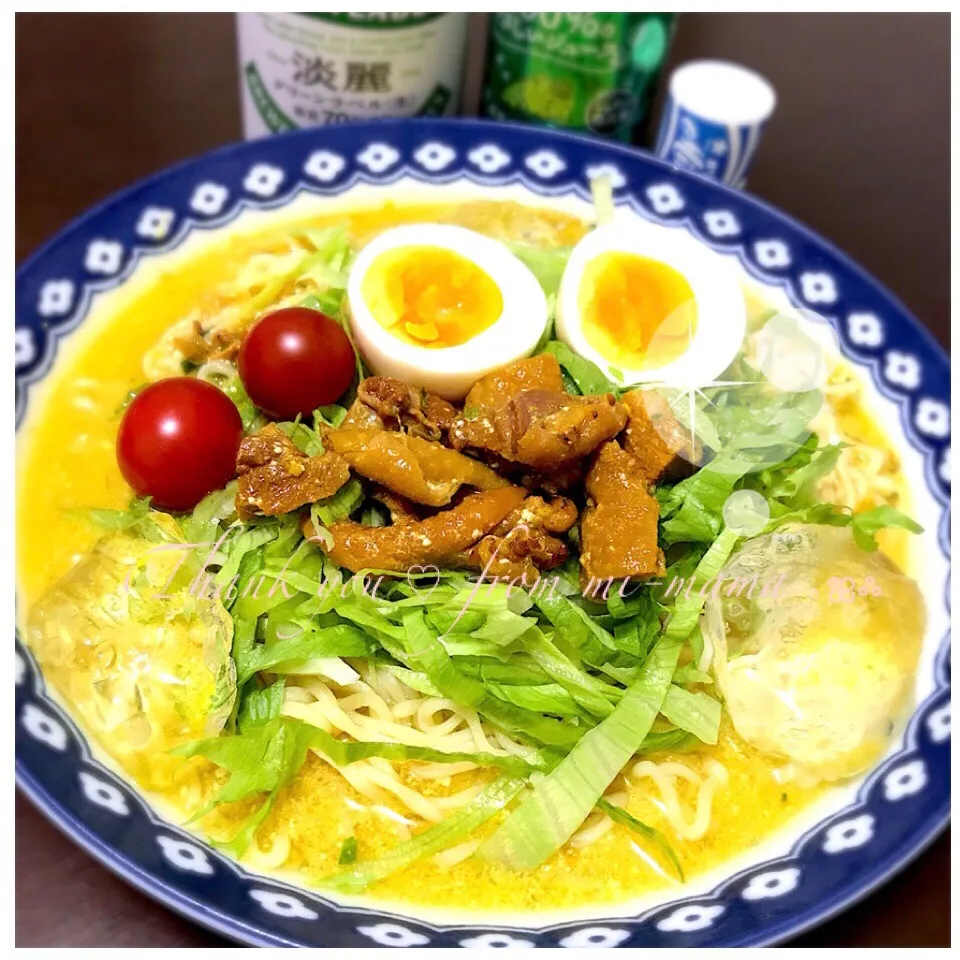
x=591, y=72
x=313, y=69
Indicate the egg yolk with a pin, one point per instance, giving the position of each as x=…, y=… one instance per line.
x=430, y=296
x=637, y=312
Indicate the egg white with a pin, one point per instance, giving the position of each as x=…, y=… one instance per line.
x=451, y=371
x=720, y=306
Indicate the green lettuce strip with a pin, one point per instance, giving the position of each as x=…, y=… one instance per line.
x=654, y=836
x=562, y=800
x=455, y=829
x=421, y=649
x=686, y=611
x=582, y=374
x=270, y=750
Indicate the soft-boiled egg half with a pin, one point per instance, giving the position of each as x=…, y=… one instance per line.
x=440, y=306
x=647, y=303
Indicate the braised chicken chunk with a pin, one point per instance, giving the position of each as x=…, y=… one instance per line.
x=550, y=430
x=395, y=405
x=477, y=427
x=541, y=372
x=438, y=540
x=618, y=528
x=662, y=446
x=362, y=416
x=522, y=415
x=420, y=470
x=564, y=479
x=522, y=544
x=274, y=477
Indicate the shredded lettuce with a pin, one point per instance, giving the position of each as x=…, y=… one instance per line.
x=248, y=541
x=792, y=480
x=454, y=829
x=752, y=418
x=420, y=648
x=691, y=511
x=296, y=644
x=348, y=851
x=203, y=524
x=592, y=694
x=581, y=681
x=331, y=303
x=672, y=740
x=344, y=752
x=503, y=627
x=339, y=505
x=688, y=673
x=619, y=654
x=332, y=415
x=654, y=836
x=545, y=819
x=697, y=713
x=546, y=698
x=585, y=376
x=868, y=523
x=601, y=190
x=306, y=438
x=545, y=263
x=114, y=521
x=270, y=750
x=686, y=610
x=259, y=705
x=264, y=758
x=416, y=681
x=250, y=414
x=332, y=243
x=374, y=515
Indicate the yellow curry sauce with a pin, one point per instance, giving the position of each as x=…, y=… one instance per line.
x=67, y=461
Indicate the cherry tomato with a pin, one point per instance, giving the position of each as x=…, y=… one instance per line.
x=178, y=441
x=295, y=360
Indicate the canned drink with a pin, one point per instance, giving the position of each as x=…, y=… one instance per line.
x=314, y=69
x=591, y=72
x=713, y=118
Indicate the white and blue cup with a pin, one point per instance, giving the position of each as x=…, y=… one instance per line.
x=713, y=118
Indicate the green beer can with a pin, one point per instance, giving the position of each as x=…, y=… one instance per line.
x=590, y=72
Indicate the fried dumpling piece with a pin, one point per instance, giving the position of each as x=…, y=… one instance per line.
x=618, y=529
x=274, y=476
x=420, y=470
x=524, y=542
x=394, y=405
x=663, y=448
x=437, y=540
x=522, y=414
x=815, y=647
x=486, y=403
x=142, y=658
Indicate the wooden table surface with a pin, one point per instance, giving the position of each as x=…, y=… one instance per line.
x=858, y=149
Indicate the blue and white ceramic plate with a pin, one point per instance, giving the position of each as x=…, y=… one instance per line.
x=836, y=853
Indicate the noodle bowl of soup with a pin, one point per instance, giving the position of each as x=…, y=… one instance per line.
x=389, y=609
